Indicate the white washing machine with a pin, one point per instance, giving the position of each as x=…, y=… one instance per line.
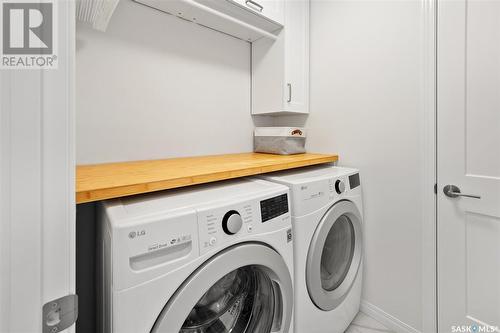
x=327, y=226
x=215, y=258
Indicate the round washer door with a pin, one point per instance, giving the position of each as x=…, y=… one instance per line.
x=246, y=288
x=334, y=255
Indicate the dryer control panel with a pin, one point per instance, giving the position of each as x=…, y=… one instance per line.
x=315, y=194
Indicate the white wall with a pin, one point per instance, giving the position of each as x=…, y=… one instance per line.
x=366, y=65
x=154, y=86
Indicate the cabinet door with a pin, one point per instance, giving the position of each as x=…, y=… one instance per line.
x=280, y=68
x=271, y=9
x=296, y=88
x=268, y=74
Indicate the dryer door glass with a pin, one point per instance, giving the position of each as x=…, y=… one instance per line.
x=334, y=255
x=242, y=301
x=337, y=253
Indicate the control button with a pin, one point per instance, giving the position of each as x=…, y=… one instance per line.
x=212, y=241
x=250, y=228
x=339, y=186
x=232, y=222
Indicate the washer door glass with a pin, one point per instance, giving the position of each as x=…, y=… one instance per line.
x=241, y=301
x=337, y=253
x=246, y=288
x=334, y=255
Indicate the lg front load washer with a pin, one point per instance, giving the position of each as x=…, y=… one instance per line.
x=213, y=258
x=327, y=226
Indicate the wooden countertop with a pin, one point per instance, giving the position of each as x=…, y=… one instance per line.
x=113, y=180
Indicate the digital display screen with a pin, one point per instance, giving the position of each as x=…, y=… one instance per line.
x=274, y=207
x=354, y=181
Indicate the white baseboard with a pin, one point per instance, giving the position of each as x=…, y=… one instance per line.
x=386, y=319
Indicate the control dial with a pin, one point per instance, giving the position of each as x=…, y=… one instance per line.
x=339, y=186
x=232, y=222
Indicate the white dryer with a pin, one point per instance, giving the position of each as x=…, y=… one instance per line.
x=214, y=258
x=327, y=226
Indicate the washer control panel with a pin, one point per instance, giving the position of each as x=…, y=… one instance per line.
x=216, y=226
x=219, y=226
x=273, y=207
x=339, y=186
x=232, y=222
x=354, y=181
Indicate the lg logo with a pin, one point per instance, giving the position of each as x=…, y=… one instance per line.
x=27, y=28
x=138, y=233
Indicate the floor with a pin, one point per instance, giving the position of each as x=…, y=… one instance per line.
x=365, y=324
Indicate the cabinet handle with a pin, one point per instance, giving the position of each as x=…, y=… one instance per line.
x=254, y=5
x=289, y=92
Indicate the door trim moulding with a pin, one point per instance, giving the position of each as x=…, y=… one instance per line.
x=37, y=165
x=429, y=167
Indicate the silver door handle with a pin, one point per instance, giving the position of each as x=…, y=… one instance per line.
x=254, y=5
x=289, y=92
x=453, y=191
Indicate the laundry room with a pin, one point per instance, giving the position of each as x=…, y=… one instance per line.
x=250, y=166
x=166, y=88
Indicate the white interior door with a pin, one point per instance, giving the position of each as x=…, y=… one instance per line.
x=468, y=107
x=37, y=206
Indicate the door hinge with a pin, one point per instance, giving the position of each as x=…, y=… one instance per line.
x=60, y=314
x=435, y=188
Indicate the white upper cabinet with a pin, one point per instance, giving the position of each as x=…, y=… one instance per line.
x=271, y=9
x=245, y=19
x=280, y=68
